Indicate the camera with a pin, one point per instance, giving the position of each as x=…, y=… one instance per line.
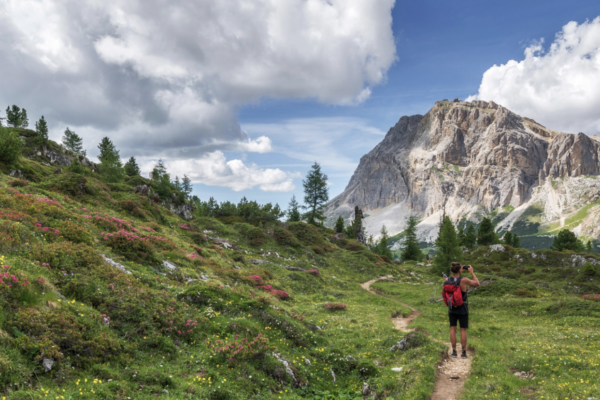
x=466, y=267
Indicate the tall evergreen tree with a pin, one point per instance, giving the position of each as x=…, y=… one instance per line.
x=41, y=130
x=10, y=146
x=162, y=180
x=461, y=236
x=382, y=244
x=316, y=195
x=566, y=240
x=339, y=224
x=13, y=116
x=131, y=167
x=486, y=234
x=589, y=247
x=186, y=186
x=292, y=213
x=110, y=161
x=177, y=184
x=448, y=248
x=73, y=141
x=508, y=238
x=516, y=242
x=212, y=207
x=24, y=119
x=411, y=251
x=470, y=237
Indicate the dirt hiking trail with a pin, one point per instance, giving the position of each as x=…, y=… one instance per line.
x=452, y=372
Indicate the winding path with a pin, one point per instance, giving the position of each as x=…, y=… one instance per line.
x=452, y=372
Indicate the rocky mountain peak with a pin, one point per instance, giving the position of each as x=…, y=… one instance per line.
x=466, y=158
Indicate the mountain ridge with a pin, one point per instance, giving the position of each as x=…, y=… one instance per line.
x=467, y=159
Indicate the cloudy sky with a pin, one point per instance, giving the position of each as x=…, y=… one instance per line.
x=244, y=95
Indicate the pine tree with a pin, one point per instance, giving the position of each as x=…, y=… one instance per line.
x=516, y=242
x=24, y=119
x=470, y=237
x=41, y=130
x=566, y=240
x=10, y=146
x=411, y=251
x=73, y=141
x=589, y=247
x=13, y=116
x=292, y=212
x=508, y=238
x=461, y=236
x=382, y=244
x=110, y=161
x=316, y=195
x=131, y=167
x=177, y=184
x=186, y=186
x=448, y=248
x=485, y=234
x=212, y=207
x=162, y=180
x=339, y=225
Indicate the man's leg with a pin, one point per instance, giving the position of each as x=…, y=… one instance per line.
x=463, y=338
x=453, y=337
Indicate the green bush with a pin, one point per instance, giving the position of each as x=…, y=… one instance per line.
x=10, y=146
x=67, y=255
x=285, y=237
x=75, y=233
x=307, y=234
x=255, y=236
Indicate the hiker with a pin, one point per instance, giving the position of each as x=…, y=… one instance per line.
x=455, y=297
x=427, y=258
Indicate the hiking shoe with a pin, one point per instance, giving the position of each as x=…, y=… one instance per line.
x=454, y=354
x=463, y=355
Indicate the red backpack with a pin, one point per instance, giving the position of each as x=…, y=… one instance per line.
x=452, y=294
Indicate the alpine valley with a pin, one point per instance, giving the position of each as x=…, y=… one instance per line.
x=472, y=160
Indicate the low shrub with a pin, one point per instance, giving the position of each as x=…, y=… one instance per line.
x=132, y=208
x=198, y=238
x=285, y=237
x=308, y=234
x=255, y=236
x=67, y=255
x=354, y=246
x=317, y=250
x=75, y=233
x=592, y=297
x=18, y=182
x=280, y=294
x=133, y=247
x=335, y=306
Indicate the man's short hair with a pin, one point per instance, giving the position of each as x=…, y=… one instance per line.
x=455, y=267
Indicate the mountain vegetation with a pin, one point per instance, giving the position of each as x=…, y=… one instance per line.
x=115, y=286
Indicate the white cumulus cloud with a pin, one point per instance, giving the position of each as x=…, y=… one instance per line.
x=214, y=169
x=558, y=87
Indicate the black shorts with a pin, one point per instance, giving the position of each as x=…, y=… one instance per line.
x=462, y=318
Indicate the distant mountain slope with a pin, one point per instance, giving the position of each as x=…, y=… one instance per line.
x=475, y=159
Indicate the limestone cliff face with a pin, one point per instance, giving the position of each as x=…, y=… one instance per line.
x=466, y=158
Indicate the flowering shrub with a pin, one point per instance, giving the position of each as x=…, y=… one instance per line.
x=255, y=280
x=313, y=272
x=335, y=306
x=280, y=294
x=185, y=227
x=13, y=235
x=18, y=182
x=69, y=256
x=134, y=247
x=593, y=297
x=75, y=233
x=298, y=317
x=111, y=224
x=237, y=348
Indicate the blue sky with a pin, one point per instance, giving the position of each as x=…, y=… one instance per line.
x=443, y=49
x=244, y=95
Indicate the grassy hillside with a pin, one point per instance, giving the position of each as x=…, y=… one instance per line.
x=106, y=294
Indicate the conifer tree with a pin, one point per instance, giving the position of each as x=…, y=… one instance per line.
x=24, y=120
x=13, y=116
x=486, y=234
x=131, y=167
x=516, y=242
x=41, y=130
x=186, y=186
x=10, y=146
x=162, y=180
x=589, y=247
x=508, y=238
x=177, y=184
x=448, y=249
x=110, y=161
x=292, y=212
x=566, y=240
x=461, y=236
x=411, y=251
x=73, y=141
x=382, y=244
x=339, y=224
x=470, y=237
x=212, y=207
x=316, y=195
